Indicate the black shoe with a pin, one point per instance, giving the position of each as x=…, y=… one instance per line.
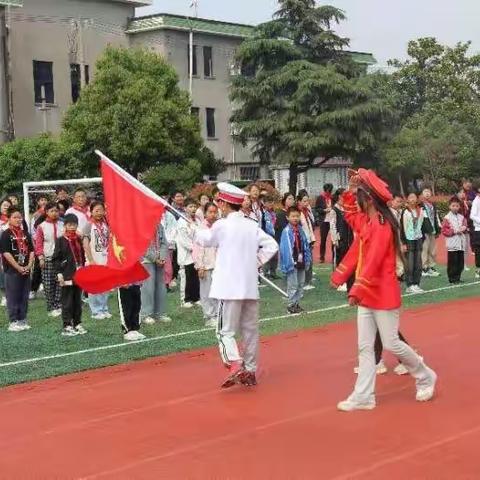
x=292, y=310
x=299, y=308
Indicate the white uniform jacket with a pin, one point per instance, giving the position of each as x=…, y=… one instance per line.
x=241, y=248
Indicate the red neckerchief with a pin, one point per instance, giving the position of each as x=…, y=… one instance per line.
x=306, y=213
x=328, y=198
x=296, y=238
x=55, y=225
x=20, y=239
x=83, y=210
x=74, y=244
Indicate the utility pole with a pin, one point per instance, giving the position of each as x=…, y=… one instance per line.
x=44, y=109
x=81, y=53
x=8, y=74
x=193, y=5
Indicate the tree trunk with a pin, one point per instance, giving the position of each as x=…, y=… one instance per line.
x=293, y=179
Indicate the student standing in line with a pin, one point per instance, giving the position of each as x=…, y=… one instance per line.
x=153, y=290
x=257, y=207
x=5, y=204
x=200, y=213
x=454, y=228
x=475, y=233
x=341, y=234
x=178, y=203
x=62, y=195
x=431, y=230
x=130, y=305
x=324, y=206
x=465, y=211
x=37, y=218
x=95, y=242
x=80, y=209
x=295, y=258
x=269, y=220
x=411, y=234
x=169, y=224
x=307, y=222
x=46, y=236
x=68, y=257
x=288, y=200
x=190, y=285
x=18, y=258
x=204, y=258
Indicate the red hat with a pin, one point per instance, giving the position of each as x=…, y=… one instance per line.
x=375, y=185
x=230, y=193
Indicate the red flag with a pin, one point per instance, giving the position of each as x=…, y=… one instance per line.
x=133, y=214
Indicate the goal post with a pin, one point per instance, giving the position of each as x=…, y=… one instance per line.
x=48, y=187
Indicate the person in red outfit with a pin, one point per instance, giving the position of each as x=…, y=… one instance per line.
x=376, y=291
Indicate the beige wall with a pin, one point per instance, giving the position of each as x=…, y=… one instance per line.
x=207, y=92
x=41, y=31
x=3, y=87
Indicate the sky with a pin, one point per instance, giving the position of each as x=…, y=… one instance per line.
x=382, y=27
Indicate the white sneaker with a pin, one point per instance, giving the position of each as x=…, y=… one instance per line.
x=434, y=273
x=467, y=269
x=417, y=289
x=107, y=315
x=427, y=393
x=55, y=313
x=15, y=327
x=400, y=369
x=41, y=288
x=69, y=332
x=426, y=273
x=134, y=336
x=3, y=302
x=148, y=321
x=342, y=288
x=187, y=305
x=173, y=284
x=32, y=296
x=381, y=368
x=198, y=304
x=98, y=316
x=309, y=287
x=350, y=404
x=410, y=290
x=81, y=330
x=23, y=325
x=165, y=319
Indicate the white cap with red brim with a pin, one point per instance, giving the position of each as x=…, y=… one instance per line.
x=230, y=193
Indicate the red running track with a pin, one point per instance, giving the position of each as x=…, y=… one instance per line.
x=166, y=418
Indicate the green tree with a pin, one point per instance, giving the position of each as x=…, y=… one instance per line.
x=135, y=112
x=300, y=95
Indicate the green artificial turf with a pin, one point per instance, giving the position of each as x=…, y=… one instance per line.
x=44, y=338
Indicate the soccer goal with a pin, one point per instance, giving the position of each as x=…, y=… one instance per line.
x=48, y=187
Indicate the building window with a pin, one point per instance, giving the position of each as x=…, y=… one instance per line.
x=75, y=81
x=249, y=173
x=43, y=79
x=194, y=60
x=207, y=62
x=211, y=123
x=87, y=74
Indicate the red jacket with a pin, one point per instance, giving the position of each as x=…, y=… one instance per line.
x=372, y=258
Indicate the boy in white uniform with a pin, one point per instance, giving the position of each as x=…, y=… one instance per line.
x=235, y=282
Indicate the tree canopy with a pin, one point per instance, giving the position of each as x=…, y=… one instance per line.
x=300, y=95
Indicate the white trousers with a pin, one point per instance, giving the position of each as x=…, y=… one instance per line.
x=183, y=283
x=209, y=305
x=238, y=317
x=387, y=322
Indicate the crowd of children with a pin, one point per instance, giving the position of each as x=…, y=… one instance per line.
x=65, y=234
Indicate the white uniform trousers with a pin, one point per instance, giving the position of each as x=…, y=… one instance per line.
x=238, y=317
x=183, y=283
x=209, y=305
x=387, y=322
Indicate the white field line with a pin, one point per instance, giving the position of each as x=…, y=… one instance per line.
x=202, y=330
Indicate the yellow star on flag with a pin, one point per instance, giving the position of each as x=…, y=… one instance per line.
x=118, y=250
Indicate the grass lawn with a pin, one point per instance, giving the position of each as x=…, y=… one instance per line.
x=104, y=345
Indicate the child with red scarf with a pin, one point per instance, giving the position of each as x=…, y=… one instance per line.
x=46, y=236
x=80, y=209
x=324, y=207
x=18, y=257
x=376, y=290
x=308, y=224
x=68, y=257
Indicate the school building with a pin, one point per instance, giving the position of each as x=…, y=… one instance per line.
x=48, y=50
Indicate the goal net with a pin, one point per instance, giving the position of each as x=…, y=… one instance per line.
x=32, y=190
